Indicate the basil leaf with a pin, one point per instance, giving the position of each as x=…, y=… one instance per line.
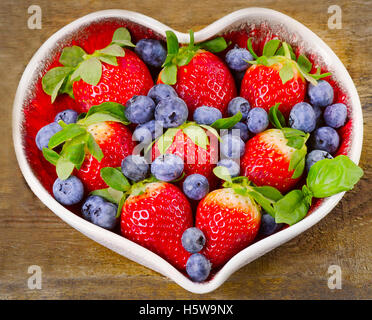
x=271, y=47
x=215, y=45
x=276, y=117
x=269, y=192
x=304, y=63
x=286, y=72
x=64, y=168
x=292, y=208
x=250, y=48
x=94, y=149
x=166, y=140
x=169, y=74
x=331, y=176
x=71, y=56
x=115, y=179
x=51, y=156
x=223, y=173
x=69, y=132
x=197, y=135
x=227, y=123
x=109, y=194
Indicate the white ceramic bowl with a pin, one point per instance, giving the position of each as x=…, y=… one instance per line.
x=287, y=27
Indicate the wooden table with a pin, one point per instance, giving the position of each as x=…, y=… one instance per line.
x=76, y=267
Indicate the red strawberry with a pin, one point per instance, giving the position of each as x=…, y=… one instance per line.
x=267, y=158
x=117, y=84
x=198, y=76
x=229, y=221
x=111, y=74
x=115, y=141
x=198, y=158
x=276, y=77
x=156, y=219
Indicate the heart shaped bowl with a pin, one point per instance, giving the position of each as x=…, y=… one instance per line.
x=266, y=22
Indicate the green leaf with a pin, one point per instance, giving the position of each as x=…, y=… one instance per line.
x=211, y=130
x=295, y=138
x=122, y=38
x=172, y=42
x=286, y=72
x=75, y=153
x=250, y=48
x=121, y=204
x=227, y=123
x=292, y=208
x=94, y=149
x=100, y=117
x=222, y=173
x=269, y=192
x=271, y=47
x=263, y=60
x=72, y=56
x=331, y=176
x=64, y=168
x=169, y=74
x=109, y=194
x=166, y=140
x=113, y=50
x=263, y=201
x=114, y=109
x=197, y=135
x=184, y=57
x=115, y=179
x=89, y=70
x=56, y=90
x=109, y=60
x=280, y=52
x=69, y=132
x=297, y=163
x=304, y=63
x=54, y=78
x=51, y=156
x=215, y=45
x=276, y=117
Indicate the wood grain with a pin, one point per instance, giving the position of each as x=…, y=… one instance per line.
x=76, y=267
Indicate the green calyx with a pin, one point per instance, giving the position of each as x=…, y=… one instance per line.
x=180, y=56
x=77, y=64
x=76, y=141
x=276, y=52
x=295, y=139
x=325, y=178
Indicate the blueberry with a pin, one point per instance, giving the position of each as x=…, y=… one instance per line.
x=135, y=168
x=167, y=167
x=232, y=146
x=268, y=225
x=243, y=130
x=148, y=131
x=302, y=117
x=151, y=51
x=325, y=138
x=206, y=115
x=335, y=115
x=257, y=120
x=238, y=104
x=161, y=92
x=139, y=109
x=231, y=165
x=198, y=267
x=315, y=156
x=69, y=191
x=196, y=186
x=318, y=115
x=100, y=212
x=320, y=95
x=92, y=203
x=45, y=133
x=235, y=59
x=67, y=116
x=171, y=112
x=193, y=240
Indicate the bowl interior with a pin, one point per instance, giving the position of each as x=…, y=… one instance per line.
x=33, y=110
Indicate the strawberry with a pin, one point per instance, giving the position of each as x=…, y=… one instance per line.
x=191, y=143
x=156, y=217
x=276, y=77
x=110, y=74
x=198, y=76
x=229, y=221
x=272, y=158
x=100, y=139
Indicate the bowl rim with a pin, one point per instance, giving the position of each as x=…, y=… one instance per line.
x=128, y=248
